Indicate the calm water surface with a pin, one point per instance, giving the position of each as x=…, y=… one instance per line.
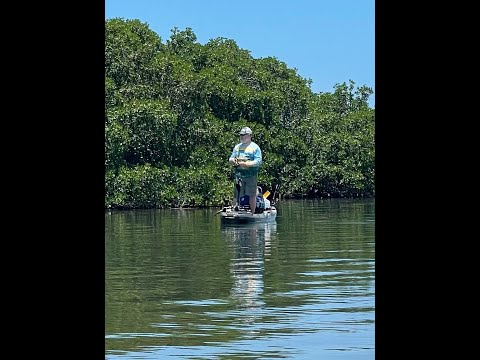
x=180, y=285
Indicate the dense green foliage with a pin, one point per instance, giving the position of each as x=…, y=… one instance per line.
x=173, y=110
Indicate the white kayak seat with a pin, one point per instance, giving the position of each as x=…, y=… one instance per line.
x=267, y=204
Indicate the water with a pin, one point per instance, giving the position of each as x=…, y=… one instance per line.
x=181, y=285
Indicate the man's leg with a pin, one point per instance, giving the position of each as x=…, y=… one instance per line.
x=235, y=195
x=251, y=191
x=237, y=189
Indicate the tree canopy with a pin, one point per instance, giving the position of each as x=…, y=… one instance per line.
x=173, y=110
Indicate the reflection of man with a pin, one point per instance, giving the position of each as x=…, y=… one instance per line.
x=247, y=267
x=268, y=234
x=248, y=288
x=251, y=245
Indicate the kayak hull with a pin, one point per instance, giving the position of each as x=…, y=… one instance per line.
x=230, y=215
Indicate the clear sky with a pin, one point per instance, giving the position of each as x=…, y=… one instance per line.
x=327, y=41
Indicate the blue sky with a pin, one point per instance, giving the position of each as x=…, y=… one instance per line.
x=327, y=41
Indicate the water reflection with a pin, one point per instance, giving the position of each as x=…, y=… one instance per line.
x=182, y=285
x=251, y=246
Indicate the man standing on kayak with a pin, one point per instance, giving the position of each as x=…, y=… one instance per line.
x=246, y=158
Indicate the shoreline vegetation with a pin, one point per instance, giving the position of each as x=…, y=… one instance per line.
x=173, y=109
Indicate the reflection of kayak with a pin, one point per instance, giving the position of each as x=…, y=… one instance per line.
x=230, y=215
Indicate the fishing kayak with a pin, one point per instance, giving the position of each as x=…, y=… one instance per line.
x=231, y=215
